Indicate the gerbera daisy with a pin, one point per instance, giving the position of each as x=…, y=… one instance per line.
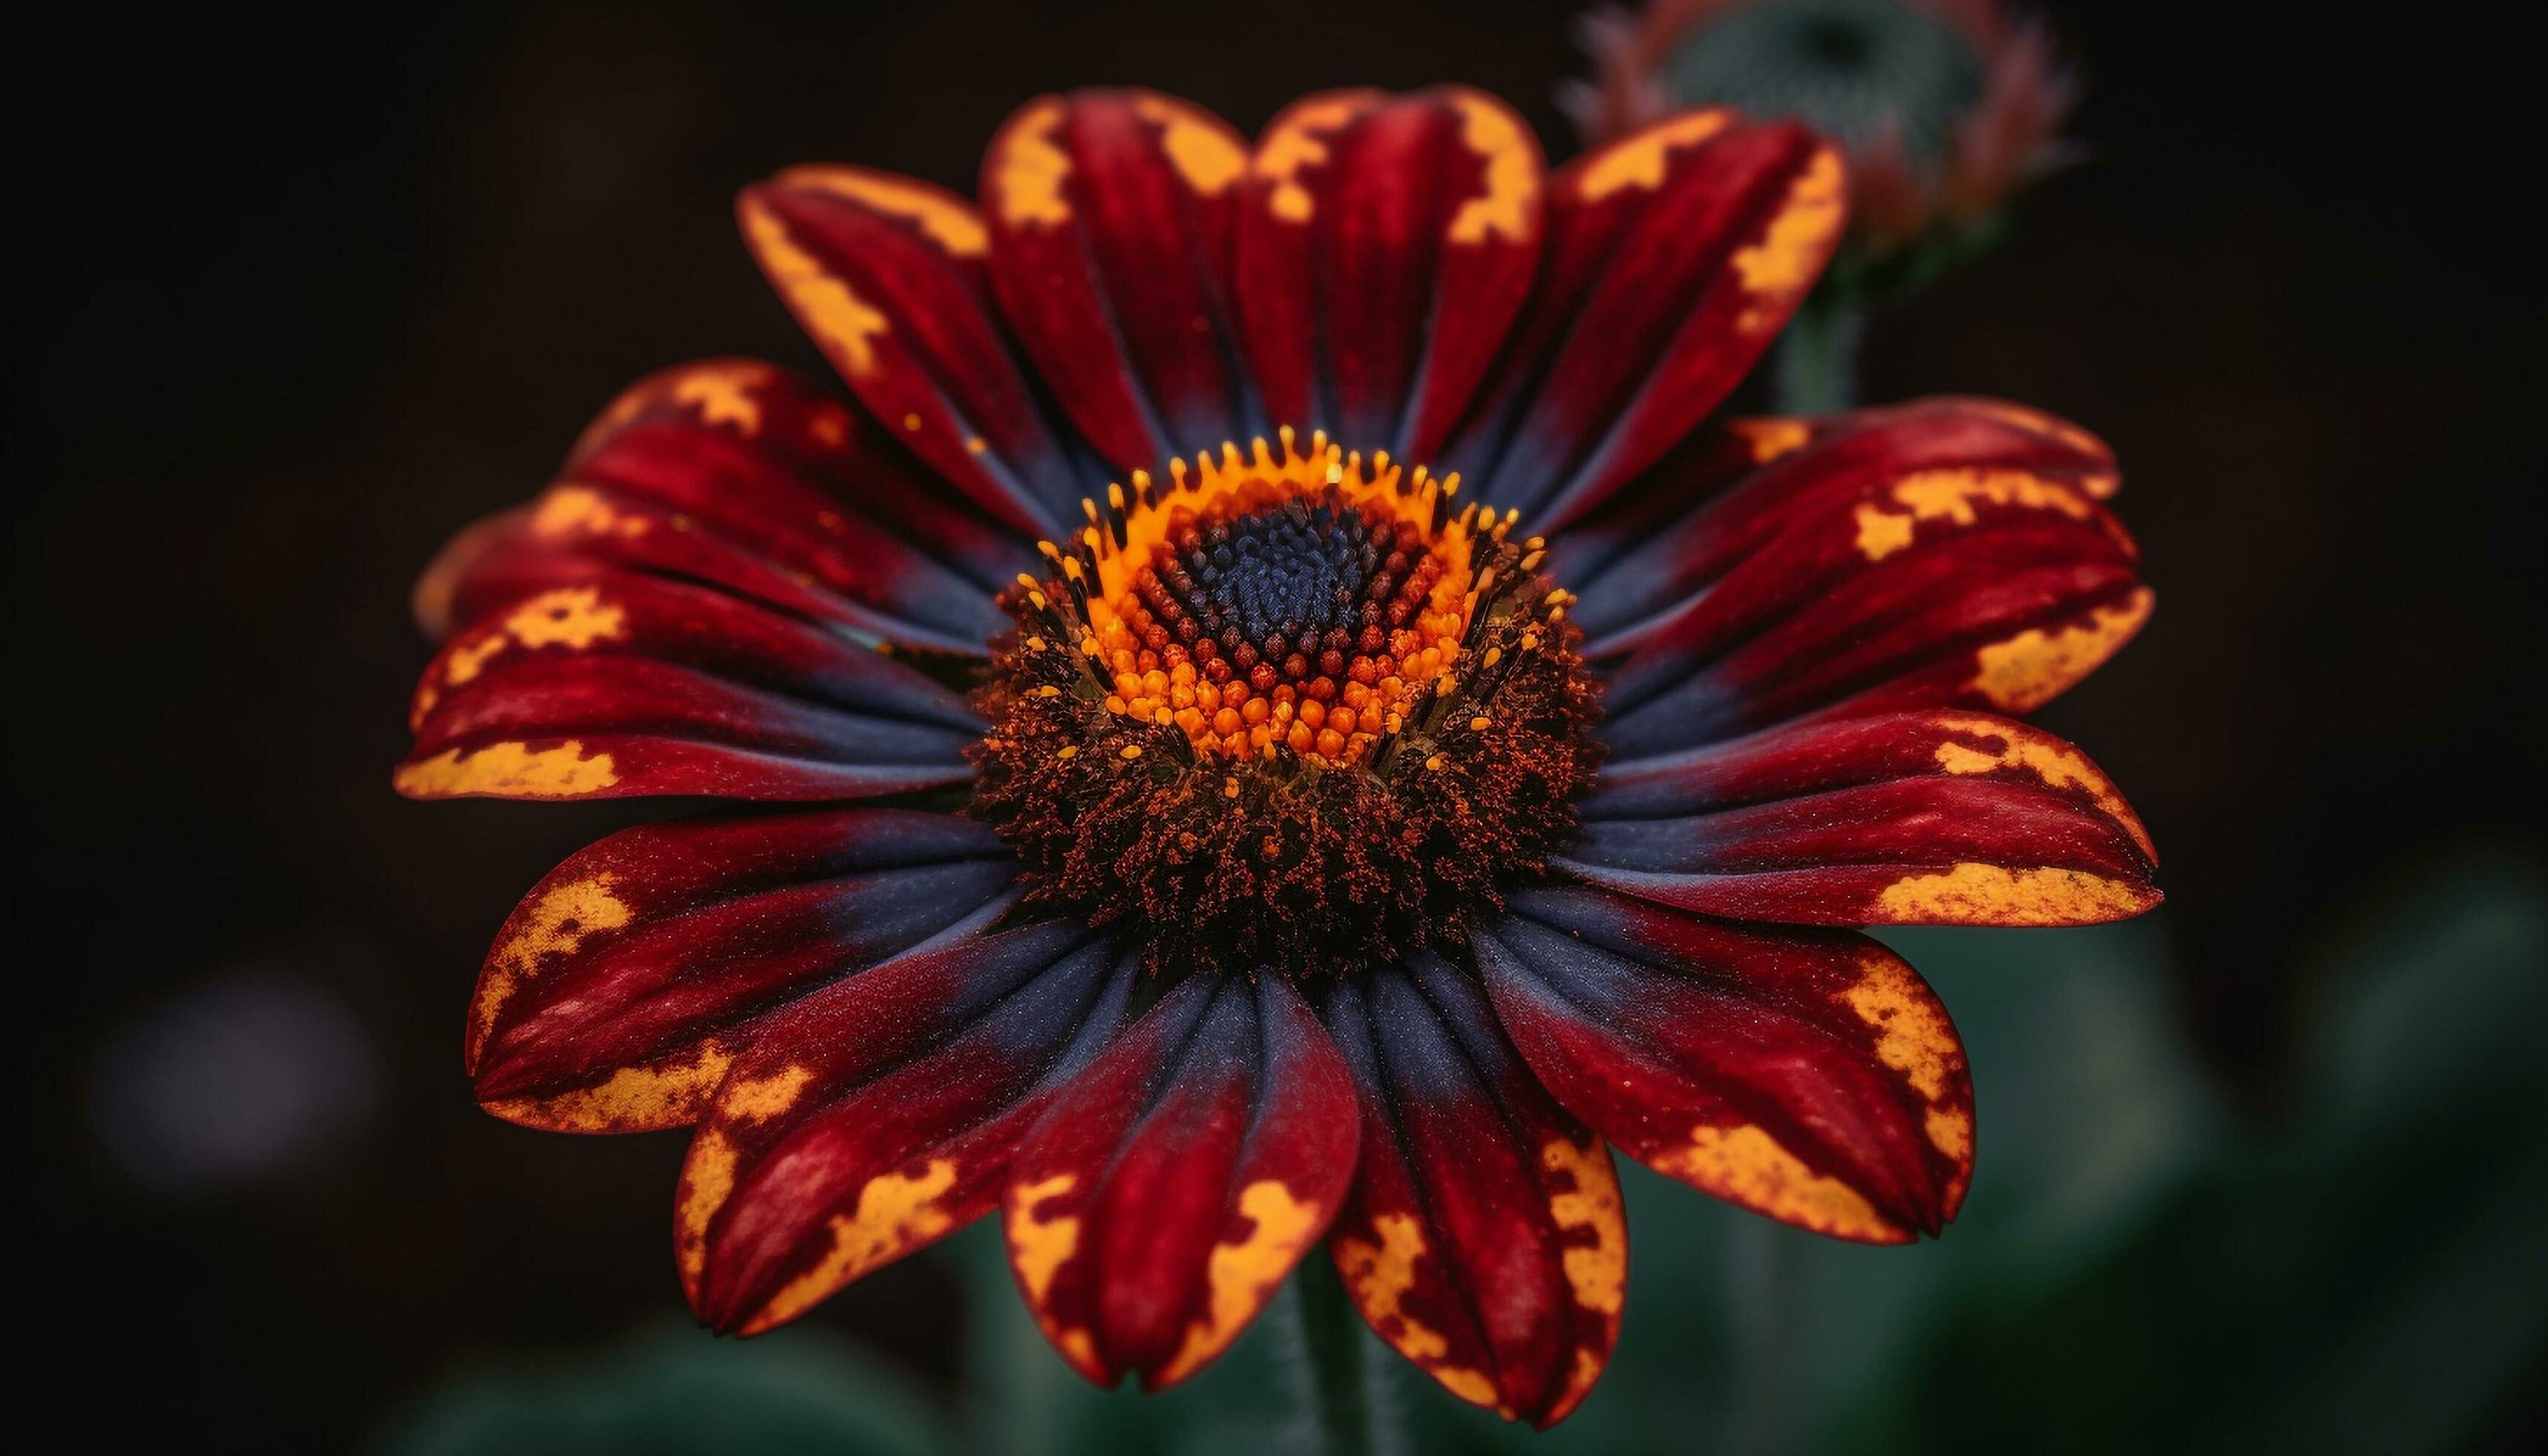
x=1288, y=723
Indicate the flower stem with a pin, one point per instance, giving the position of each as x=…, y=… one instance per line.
x=1013, y=1382
x=1815, y=368
x=1338, y=1388
x=1758, y=1288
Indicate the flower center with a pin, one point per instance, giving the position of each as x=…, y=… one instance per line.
x=1288, y=600
x=1284, y=712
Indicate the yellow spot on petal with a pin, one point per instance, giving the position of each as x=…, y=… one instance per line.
x=1882, y=532
x=570, y=617
x=1076, y=1347
x=580, y=509
x=1747, y=1165
x=1913, y=1035
x=512, y=769
x=756, y=1099
x=555, y=925
x=895, y=1213
x=1951, y=1131
x=1579, y=1384
x=1198, y=145
x=1790, y=256
x=830, y=426
x=1973, y=893
x=632, y=1098
x=1956, y=495
x=841, y=321
x=2032, y=668
x=1038, y=1245
x=1242, y=1275
x=1472, y=1386
x=707, y=1181
x=1029, y=169
x=2053, y=763
x=1290, y=201
x=722, y=393
x=1597, y=1271
x=1378, y=1276
x=944, y=220
x=1645, y=160
x=1508, y=205
x=1950, y=495
x=1772, y=438
x=1297, y=142
x=469, y=658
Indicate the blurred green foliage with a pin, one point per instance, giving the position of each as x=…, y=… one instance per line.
x=2142, y=1264
x=678, y=1390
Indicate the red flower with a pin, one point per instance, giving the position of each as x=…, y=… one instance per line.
x=1272, y=885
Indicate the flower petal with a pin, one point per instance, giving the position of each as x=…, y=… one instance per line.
x=1810, y=1077
x=741, y=475
x=1929, y=818
x=630, y=979
x=1387, y=243
x=1732, y=489
x=1167, y=1192
x=879, y=1114
x=1983, y=586
x=1111, y=214
x=635, y=685
x=1674, y=257
x=888, y=275
x=1484, y=1240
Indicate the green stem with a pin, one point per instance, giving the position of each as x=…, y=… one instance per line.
x=1814, y=370
x=1757, y=1290
x=1013, y=1382
x=1338, y=1388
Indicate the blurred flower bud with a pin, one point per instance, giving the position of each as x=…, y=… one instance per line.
x=1945, y=107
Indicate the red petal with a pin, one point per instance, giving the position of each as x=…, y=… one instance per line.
x=626, y=983
x=1812, y=1077
x=1731, y=488
x=1674, y=257
x=879, y=1114
x=636, y=684
x=1387, y=243
x=1933, y=818
x=887, y=274
x=1168, y=1190
x=1982, y=586
x=1111, y=214
x=1484, y=1240
x=740, y=474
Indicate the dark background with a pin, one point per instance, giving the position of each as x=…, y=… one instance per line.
x=300, y=301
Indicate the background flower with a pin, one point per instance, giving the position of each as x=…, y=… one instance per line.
x=1945, y=107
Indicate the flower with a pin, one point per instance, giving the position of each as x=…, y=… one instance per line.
x=1945, y=107
x=1199, y=850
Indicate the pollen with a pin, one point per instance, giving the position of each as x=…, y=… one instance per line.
x=1320, y=713
x=1308, y=582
